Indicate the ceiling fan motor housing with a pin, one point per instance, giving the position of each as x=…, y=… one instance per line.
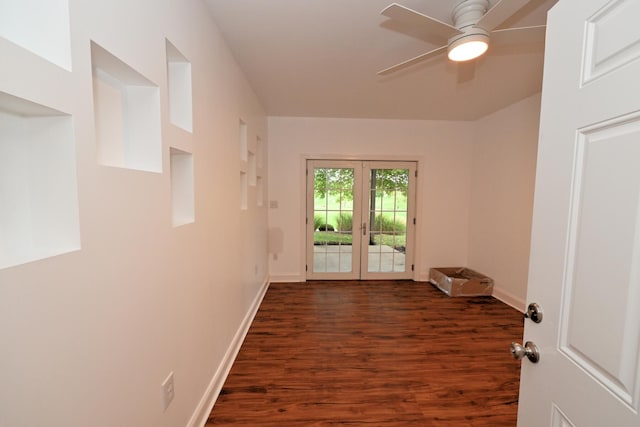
x=465, y=17
x=468, y=13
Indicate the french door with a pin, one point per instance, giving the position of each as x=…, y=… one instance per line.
x=360, y=219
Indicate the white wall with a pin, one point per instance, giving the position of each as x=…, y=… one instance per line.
x=444, y=152
x=504, y=162
x=88, y=336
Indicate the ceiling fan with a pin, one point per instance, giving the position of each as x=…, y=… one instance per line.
x=473, y=27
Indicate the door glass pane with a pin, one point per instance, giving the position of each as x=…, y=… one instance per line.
x=332, y=220
x=388, y=216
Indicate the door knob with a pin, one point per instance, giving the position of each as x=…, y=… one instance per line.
x=530, y=350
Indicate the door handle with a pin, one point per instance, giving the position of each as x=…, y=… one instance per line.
x=530, y=350
x=364, y=228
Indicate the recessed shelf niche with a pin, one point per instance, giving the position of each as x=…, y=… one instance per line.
x=180, y=89
x=244, y=190
x=259, y=152
x=182, y=191
x=127, y=114
x=243, y=140
x=253, y=173
x=38, y=183
x=260, y=191
x=40, y=26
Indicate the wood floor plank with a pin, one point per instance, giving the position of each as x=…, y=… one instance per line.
x=382, y=353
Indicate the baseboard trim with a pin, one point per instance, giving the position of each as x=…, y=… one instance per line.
x=422, y=277
x=288, y=278
x=202, y=411
x=509, y=299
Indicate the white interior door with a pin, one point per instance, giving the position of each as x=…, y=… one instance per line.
x=585, y=249
x=360, y=219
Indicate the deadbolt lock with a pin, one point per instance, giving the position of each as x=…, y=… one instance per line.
x=534, y=312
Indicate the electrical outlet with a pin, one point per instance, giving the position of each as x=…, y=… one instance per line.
x=167, y=391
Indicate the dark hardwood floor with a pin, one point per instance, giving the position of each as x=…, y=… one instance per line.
x=375, y=353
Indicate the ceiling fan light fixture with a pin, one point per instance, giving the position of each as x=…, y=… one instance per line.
x=468, y=47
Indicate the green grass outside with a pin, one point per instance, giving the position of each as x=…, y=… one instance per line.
x=333, y=238
x=330, y=237
x=331, y=207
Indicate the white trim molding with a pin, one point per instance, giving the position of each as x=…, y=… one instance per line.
x=202, y=411
x=288, y=278
x=509, y=299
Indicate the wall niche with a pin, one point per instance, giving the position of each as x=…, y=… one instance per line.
x=182, y=190
x=244, y=146
x=253, y=172
x=40, y=26
x=244, y=191
x=260, y=191
x=38, y=183
x=180, y=89
x=127, y=114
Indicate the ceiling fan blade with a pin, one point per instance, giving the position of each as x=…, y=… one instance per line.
x=499, y=13
x=520, y=36
x=412, y=61
x=429, y=24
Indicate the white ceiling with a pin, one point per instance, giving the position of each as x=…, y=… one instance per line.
x=319, y=58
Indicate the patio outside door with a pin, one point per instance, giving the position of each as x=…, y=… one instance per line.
x=360, y=219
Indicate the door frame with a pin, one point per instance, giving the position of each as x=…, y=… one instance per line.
x=416, y=195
